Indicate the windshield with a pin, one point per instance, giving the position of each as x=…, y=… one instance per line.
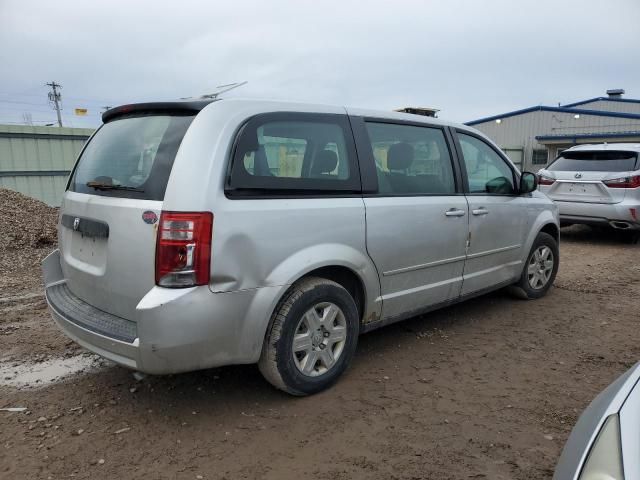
x=130, y=157
x=595, y=161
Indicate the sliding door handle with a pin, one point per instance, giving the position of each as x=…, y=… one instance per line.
x=454, y=212
x=480, y=211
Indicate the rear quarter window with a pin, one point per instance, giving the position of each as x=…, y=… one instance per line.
x=294, y=153
x=130, y=157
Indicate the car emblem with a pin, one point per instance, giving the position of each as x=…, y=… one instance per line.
x=149, y=217
x=76, y=223
x=578, y=175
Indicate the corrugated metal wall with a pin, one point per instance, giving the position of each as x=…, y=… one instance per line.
x=36, y=161
x=520, y=131
x=611, y=106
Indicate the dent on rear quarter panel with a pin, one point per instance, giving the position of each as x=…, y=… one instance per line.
x=330, y=255
x=274, y=242
x=245, y=271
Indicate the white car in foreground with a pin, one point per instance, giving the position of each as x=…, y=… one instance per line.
x=605, y=443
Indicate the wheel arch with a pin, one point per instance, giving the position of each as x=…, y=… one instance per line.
x=552, y=229
x=545, y=222
x=344, y=264
x=345, y=277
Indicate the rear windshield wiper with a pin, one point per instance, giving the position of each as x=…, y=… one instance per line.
x=108, y=186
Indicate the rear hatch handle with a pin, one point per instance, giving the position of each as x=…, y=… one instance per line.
x=85, y=226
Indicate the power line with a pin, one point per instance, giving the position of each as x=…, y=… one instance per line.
x=32, y=106
x=55, y=97
x=22, y=103
x=94, y=100
x=18, y=94
x=52, y=122
x=40, y=108
x=40, y=96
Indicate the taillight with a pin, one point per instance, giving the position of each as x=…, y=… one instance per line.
x=624, y=182
x=543, y=180
x=183, y=249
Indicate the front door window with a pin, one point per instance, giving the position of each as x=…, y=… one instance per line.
x=487, y=172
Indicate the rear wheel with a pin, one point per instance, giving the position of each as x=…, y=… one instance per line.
x=312, y=337
x=633, y=237
x=540, y=268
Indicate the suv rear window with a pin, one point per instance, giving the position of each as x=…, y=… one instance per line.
x=294, y=153
x=595, y=161
x=130, y=157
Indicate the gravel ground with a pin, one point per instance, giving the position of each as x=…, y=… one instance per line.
x=27, y=235
x=485, y=389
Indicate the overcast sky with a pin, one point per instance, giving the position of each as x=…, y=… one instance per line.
x=468, y=58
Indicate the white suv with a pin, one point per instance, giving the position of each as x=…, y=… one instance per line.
x=596, y=185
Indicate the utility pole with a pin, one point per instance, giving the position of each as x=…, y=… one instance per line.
x=105, y=108
x=54, y=96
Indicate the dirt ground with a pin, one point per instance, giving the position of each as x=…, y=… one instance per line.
x=486, y=389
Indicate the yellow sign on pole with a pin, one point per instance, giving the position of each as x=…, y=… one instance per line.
x=81, y=111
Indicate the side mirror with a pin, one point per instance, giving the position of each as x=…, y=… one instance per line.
x=528, y=182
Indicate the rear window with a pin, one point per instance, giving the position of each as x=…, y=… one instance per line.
x=294, y=153
x=595, y=161
x=130, y=157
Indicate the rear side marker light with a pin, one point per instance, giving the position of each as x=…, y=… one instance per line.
x=183, y=249
x=542, y=180
x=624, y=182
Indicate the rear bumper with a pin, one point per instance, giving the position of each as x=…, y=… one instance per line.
x=617, y=215
x=122, y=353
x=178, y=329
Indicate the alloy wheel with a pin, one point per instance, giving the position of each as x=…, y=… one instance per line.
x=540, y=267
x=319, y=339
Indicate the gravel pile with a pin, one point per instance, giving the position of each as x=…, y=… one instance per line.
x=27, y=235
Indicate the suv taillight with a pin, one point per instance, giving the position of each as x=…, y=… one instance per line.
x=183, y=249
x=543, y=180
x=624, y=182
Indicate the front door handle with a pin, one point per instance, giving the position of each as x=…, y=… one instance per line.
x=480, y=211
x=454, y=212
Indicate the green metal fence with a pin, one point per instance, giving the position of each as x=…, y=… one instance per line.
x=36, y=161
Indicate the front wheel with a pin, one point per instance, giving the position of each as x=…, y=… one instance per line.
x=312, y=337
x=540, y=268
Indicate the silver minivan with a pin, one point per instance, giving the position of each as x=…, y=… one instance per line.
x=196, y=234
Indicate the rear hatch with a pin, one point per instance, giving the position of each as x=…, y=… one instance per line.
x=109, y=214
x=582, y=176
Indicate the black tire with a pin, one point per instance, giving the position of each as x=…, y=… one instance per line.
x=633, y=237
x=277, y=359
x=523, y=289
